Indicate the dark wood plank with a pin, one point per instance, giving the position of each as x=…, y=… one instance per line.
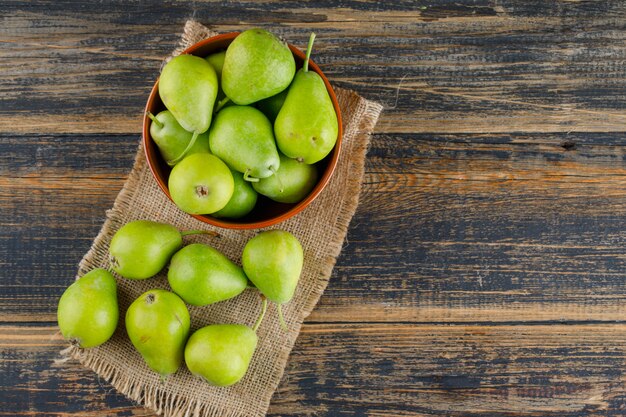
x=450, y=228
x=483, y=272
x=469, y=66
x=371, y=369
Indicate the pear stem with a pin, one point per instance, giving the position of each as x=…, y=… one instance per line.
x=199, y=232
x=182, y=155
x=154, y=120
x=309, y=48
x=280, y=183
x=221, y=104
x=281, y=318
x=247, y=177
x=263, y=310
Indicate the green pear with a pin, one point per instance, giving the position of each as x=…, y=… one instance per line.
x=221, y=353
x=257, y=65
x=172, y=140
x=271, y=106
x=201, y=184
x=242, y=137
x=157, y=324
x=272, y=260
x=306, y=127
x=87, y=312
x=217, y=62
x=188, y=88
x=243, y=200
x=202, y=275
x=292, y=182
x=141, y=248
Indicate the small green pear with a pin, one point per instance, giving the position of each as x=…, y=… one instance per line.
x=243, y=200
x=172, y=140
x=141, y=248
x=273, y=260
x=202, y=275
x=87, y=312
x=217, y=62
x=158, y=324
x=188, y=88
x=306, y=127
x=221, y=353
x=242, y=137
x=271, y=106
x=201, y=184
x=292, y=182
x=257, y=65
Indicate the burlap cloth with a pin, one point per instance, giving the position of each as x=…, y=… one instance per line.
x=321, y=228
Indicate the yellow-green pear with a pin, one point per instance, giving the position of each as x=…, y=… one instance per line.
x=141, y=248
x=306, y=127
x=88, y=312
x=221, y=353
x=257, y=65
x=157, y=324
x=188, y=87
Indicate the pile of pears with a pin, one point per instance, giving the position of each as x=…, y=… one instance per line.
x=242, y=122
x=158, y=321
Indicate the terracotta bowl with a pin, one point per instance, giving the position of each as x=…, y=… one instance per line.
x=266, y=212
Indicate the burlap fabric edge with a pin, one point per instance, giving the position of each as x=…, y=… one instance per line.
x=157, y=397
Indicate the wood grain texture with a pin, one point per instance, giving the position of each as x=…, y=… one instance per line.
x=483, y=274
x=450, y=228
x=373, y=369
x=473, y=66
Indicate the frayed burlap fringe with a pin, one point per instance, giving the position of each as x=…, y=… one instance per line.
x=321, y=228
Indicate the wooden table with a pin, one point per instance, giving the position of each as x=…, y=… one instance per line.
x=484, y=271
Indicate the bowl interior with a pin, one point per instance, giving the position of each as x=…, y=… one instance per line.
x=266, y=211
